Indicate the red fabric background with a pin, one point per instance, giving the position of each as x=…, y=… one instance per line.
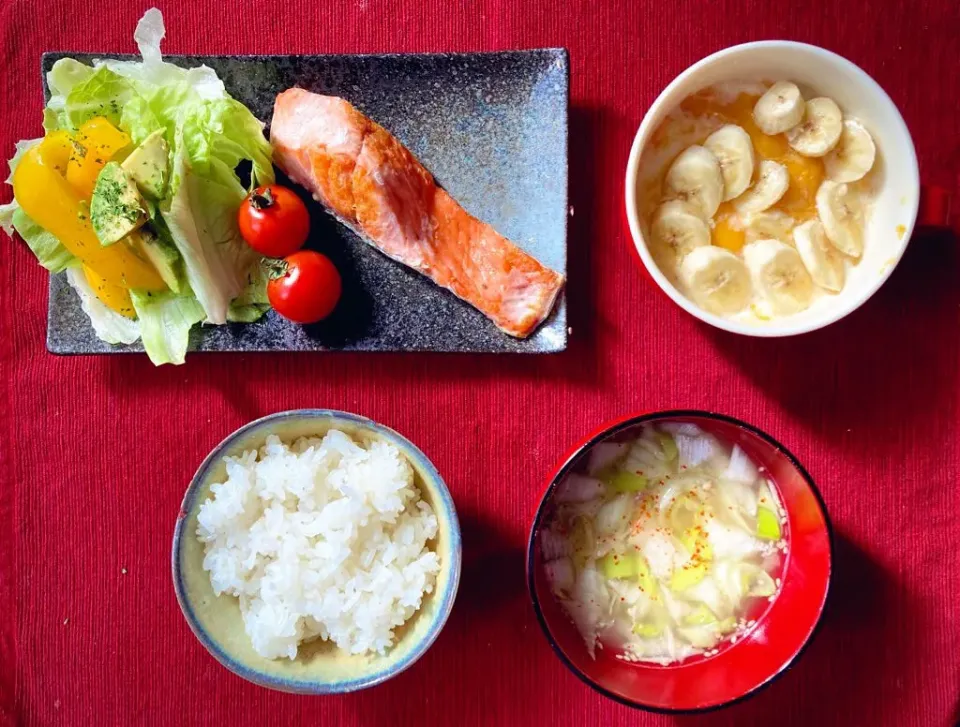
x=97, y=451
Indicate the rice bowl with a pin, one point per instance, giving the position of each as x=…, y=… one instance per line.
x=319, y=665
x=324, y=538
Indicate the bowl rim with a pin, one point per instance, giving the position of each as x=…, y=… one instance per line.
x=624, y=422
x=301, y=686
x=633, y=216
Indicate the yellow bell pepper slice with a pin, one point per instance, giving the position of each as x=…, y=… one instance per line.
x=97, y=142
x=58, y=147
x=49, y=200
x=112, y=296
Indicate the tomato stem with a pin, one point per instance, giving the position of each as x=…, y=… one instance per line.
x=274, y=267
x=262, y=200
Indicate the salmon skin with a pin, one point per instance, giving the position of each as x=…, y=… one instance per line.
x=372, y=183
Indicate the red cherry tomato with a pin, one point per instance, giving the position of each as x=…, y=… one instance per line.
x=306, y=287
x=274, y=221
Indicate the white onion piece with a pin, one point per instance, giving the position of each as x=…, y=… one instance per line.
x=676, y=607
x=763, y=584
x=577, y=488
x=588, y=604
x=663, y=555
x=702, y=637
x=741, y=467
x=627, y=590
x=710, y=595
x=588, y=509
x=675, y=428
x=614, y=515
x=727, y=577
x=742, y=498
x=730, y=542
x=669, y=495
x=605, y=454
x=646, y=457
x=560, y=575
x=671, y=644
x=616, y=635
x=649, y=442
x=553, y=545
x=694, y=450
x=585, y=619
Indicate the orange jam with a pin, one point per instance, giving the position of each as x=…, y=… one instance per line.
x=726, y=232
x=806, y=174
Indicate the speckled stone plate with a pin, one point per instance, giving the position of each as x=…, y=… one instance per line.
x=491, y=127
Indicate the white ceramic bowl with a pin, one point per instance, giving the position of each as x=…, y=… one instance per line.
x=897, y=180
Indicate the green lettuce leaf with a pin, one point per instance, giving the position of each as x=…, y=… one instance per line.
x=61, y=80
x=138, y=119
x=153, y=71
x=6, y=217
x=165, y=323
x=21, y=148
x=201, y=218
x=109, y=325
x=67, y=74
x=104, y=93
x=227, y=132
x=252, y=302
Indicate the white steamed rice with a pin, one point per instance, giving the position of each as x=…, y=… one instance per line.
x=322, y=538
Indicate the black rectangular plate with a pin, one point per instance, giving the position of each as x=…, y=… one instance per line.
x=491, y=127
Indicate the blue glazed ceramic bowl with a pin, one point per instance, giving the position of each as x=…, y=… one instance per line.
x=320, y=667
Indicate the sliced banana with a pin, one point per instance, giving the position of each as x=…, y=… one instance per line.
x=838, y=206
x=779, y=275
x=772, y=182
x=732, y=147
x=676, y=230
x=854, y=154
x=820, y=129
x=695, y=178
x=819, y=256
x=779, y=109
x=716, y=279
x=771, y=224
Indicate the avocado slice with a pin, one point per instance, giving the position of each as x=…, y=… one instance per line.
x=117, y=208
x=148, y=165
x=162, y=255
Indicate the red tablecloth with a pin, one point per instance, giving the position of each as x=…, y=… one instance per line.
x=96, y=451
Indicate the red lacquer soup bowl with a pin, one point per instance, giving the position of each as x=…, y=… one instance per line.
x=783, y=627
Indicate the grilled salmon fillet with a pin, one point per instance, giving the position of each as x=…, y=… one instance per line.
x=373, y=184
